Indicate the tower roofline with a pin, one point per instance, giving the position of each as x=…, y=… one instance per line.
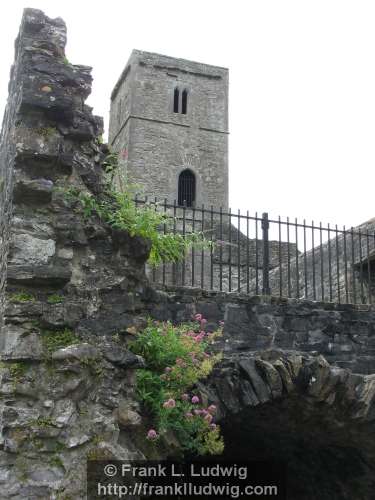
x=155, y=55
x=171, y=64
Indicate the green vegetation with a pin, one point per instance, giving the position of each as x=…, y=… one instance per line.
x=43, y=422
x=17, y=370
x=117, y=208
x=177, y=358
x=56, y=339
x=56, y=461
x=46, y=131
x=22, y=297
x=55, y=299
x=66, y=61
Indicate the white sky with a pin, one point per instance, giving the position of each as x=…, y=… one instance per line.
x=302, y=87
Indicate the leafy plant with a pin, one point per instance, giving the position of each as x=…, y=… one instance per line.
x=22, y=297
x=43, y=422
x=177, y=358
x=55, y=299
x=18, y=370
x=56, y=339
x=118, y=208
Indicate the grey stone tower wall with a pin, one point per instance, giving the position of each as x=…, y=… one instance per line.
x=156, y=144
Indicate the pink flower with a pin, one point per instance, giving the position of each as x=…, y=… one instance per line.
x=185, y=397
x=213, y=426
x=198, y=317
x=197, y=412
x=171, y=403
x=208, y=418
x=195, y=400
x=189, y=415
x=212, y=409
x=221, y=323
x=168, y=369
x=152, y=435
x=203, y=321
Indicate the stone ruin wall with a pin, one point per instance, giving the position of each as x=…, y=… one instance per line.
x=69, y=280
x=352, y=274
x=71, y=277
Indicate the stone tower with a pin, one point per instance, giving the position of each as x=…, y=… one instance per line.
x=169, y=123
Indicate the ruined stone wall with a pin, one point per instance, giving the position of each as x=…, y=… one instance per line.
x=73, y=286
x=76, y=293
x=339, y=270
x=344, y=333
x=7, y=152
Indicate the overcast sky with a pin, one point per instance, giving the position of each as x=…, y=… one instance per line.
x=302, y=87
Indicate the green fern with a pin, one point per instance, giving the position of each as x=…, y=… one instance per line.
x=119, y=209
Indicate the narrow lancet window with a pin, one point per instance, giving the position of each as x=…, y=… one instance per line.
x=176, y=99
x=184, y=101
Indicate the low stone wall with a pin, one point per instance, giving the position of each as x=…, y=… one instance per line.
x=344, y=334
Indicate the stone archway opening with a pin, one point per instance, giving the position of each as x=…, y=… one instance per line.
x=299, y=410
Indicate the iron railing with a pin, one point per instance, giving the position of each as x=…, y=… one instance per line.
x=258, y=255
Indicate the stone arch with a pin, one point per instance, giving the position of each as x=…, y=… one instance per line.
x=297, y=408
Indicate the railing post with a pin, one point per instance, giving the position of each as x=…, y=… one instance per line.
x=266, y=255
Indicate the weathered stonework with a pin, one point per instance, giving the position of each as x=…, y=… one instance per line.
x=343, y=333
x=76, y=292
x=156, y=144
x=342, y=269
x=72, y=284
x=297, y=409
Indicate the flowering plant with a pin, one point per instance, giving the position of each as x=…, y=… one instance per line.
x=177, y=357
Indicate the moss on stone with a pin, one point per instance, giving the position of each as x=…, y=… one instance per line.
x=46, y=131
x=55, y=299
x=22, y=297
x=56, y=339
x=17, y=370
